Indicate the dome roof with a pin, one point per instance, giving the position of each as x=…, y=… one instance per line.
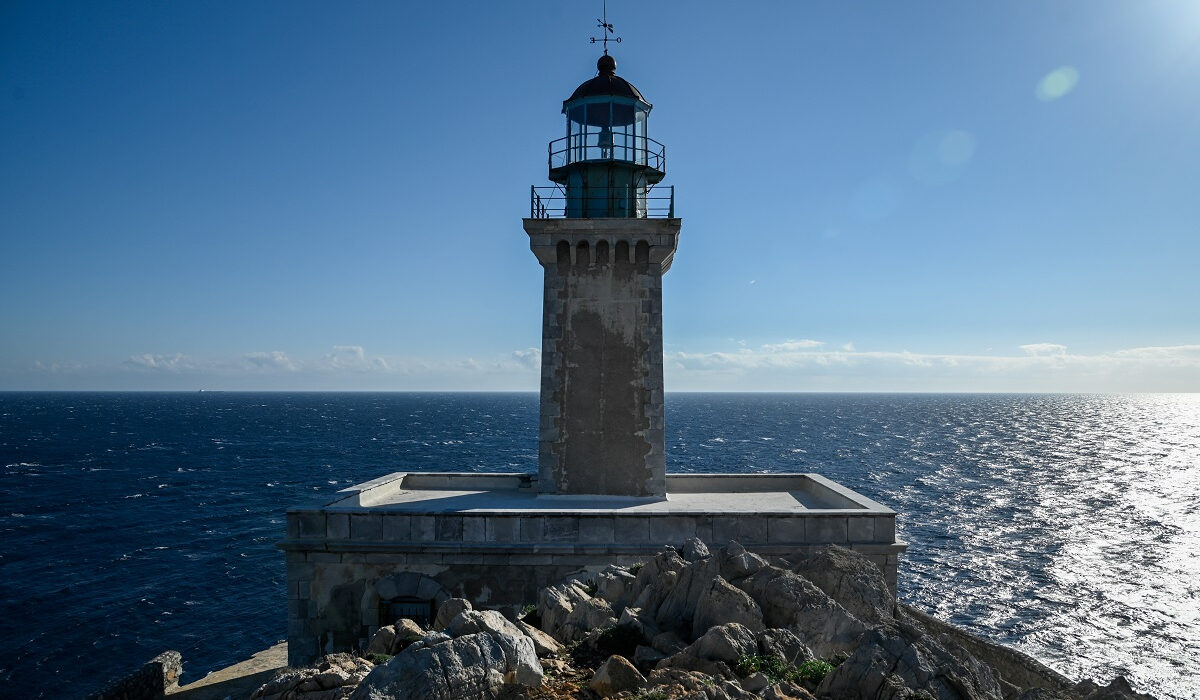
x=607, y=83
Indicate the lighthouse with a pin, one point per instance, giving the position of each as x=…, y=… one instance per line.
x=605, y=234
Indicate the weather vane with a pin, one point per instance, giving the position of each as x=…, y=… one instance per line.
x=606, y=28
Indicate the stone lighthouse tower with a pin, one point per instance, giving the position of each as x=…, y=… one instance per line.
x=399, y=545
x=605, y=235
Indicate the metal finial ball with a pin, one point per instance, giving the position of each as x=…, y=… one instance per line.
x=607, y=64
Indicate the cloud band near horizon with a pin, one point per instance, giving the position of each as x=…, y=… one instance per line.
x=790, y=365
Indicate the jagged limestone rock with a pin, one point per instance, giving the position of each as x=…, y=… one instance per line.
x=613, y=584
x=588, y=615
x=728, y=642
x=783, y=644
x=472, y=667
x=543, y=644
x=680, y=597
x=616, y=675
x=721, y=603
x=449, y=610
x=792, y=602
x=556, y=602
x=852, y=580
x=890, y=664
x=694, y=550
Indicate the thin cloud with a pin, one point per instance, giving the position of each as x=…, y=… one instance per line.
x=274, y=360
x=792, y=345
x=1043, y=349
x=163, y=363
x=529, y=357
x=1038, y=367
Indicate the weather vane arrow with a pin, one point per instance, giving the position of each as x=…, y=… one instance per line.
x=606, y=28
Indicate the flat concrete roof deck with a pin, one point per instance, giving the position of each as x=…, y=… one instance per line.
x=687, y=494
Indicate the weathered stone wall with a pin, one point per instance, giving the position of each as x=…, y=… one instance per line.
x=340, y=565
x=149, y=682
x=602, y=421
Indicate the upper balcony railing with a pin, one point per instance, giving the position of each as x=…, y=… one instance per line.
x=617, y=146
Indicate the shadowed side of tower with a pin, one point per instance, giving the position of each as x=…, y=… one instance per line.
x=602, y=424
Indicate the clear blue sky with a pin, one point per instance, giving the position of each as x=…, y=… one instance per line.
x=920, y=196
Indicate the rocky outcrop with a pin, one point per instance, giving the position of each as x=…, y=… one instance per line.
x=149, y=682
x=449, y=610
x=392, y=639
x=614, y=676
x=710, y=624
x=472, y=667
x=891, y=665
x=333, y=677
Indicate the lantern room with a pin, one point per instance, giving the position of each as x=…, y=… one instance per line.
x=606, y=163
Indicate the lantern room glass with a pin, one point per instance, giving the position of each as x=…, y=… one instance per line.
x=607, y=128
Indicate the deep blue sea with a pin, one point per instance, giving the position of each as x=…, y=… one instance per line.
x=1067, y=526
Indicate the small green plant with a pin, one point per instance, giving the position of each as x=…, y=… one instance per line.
x=809, y=673
x=378, y=659
x=814, y=671
x=526, y=610
x=635, y=568
x=589, y=587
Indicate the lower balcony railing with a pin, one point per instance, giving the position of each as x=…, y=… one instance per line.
x=558, y=202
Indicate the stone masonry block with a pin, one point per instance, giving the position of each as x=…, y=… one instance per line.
x=560, y=528
x=531, y=529
x=672, y=530
x=299, y=572
x=448, y=528
x=631, y=530
x=885, y=528
x=397, y=528
x=704, y=528
x=297, y=609
x=366, y=526
x=752, y=530
x=502, y=529
x=310, y=524
x=861, y=529
x=724, y=529
x=785, y=530
x=422, y=528
x=474, y=528
x=596, y=530
x=337, y=526
x=827, y=530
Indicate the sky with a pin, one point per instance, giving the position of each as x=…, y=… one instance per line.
x=876, y=196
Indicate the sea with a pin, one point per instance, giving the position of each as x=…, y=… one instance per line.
x=1065, y=526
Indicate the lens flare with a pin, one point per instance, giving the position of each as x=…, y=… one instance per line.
x=1057, y=83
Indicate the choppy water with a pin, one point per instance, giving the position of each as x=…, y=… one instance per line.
x=1065, y=526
